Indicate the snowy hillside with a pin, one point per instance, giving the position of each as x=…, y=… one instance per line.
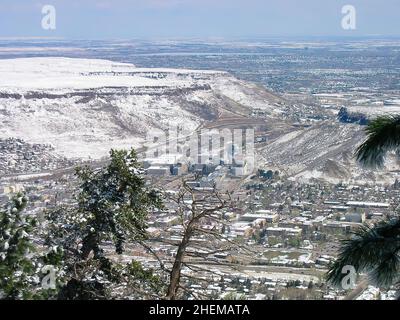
x=325, y=151
x=84, y=107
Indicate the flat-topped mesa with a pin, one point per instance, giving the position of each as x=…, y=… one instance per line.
x=85, y=107
x=31, y=74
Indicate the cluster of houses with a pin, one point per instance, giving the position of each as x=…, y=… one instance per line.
x=17, y=156
x=294, y=223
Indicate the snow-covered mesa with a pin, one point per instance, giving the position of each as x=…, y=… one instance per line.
x=85, y=107
x=71, y=73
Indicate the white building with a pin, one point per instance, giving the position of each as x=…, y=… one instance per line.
x=268, y=217
x=365, y=204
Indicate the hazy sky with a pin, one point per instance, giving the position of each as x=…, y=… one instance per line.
x=197, y=18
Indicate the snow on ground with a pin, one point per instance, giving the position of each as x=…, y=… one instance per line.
x=371, y=293
x=23, y=177
x=69, y=73
x=247, y=94
x=308, y=175
x=281, y=276
x=288, y=137
x=81, y=130
x=375, y=110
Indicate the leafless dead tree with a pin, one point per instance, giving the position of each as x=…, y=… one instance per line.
x=202, y=205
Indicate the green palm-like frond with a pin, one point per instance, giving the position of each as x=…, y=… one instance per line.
x=375, y=250
x=383, y=135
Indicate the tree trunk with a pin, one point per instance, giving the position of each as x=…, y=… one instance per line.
x=177, y=267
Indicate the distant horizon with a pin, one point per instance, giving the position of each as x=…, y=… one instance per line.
x=210, y=38
x=204, y=19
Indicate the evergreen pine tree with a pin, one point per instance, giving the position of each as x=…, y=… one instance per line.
x=22, y=267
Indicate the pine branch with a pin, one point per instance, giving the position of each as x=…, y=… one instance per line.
x=383, y=135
